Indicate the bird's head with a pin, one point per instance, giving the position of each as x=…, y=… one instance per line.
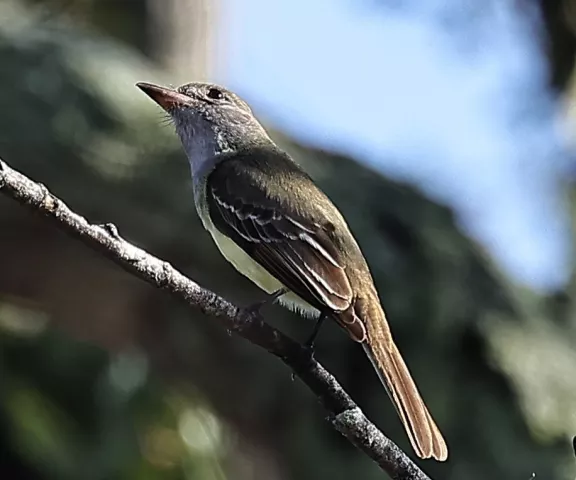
x=209, y=119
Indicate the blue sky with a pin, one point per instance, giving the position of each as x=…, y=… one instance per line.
x=462, y=115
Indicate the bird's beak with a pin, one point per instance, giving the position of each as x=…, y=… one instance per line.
x=167, y=98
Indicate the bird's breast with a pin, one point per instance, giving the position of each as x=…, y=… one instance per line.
x=244, y=263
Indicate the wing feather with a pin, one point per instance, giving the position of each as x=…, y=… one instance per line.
x=297, y=252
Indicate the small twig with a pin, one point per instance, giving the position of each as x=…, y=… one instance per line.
x=345, y=415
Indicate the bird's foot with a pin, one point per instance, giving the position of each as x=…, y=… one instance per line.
x=309, y=344
x=255, y=308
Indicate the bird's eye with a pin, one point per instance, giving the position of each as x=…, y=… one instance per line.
x=215, y=94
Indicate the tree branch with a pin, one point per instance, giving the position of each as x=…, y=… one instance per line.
x=344, y=415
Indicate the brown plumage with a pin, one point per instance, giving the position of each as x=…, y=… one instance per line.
x=424, y=435
x=279, y=229
x=327, y=272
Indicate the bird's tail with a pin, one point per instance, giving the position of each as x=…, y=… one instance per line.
x=422, y=431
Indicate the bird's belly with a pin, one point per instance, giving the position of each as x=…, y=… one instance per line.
x=258, y=274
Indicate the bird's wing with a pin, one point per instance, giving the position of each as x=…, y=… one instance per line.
x=296, y=250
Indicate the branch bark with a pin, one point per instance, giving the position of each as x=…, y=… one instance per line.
x=344, y=415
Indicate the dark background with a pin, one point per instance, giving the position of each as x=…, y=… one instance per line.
x=102, y=377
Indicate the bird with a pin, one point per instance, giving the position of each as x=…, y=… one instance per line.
x=277, y=227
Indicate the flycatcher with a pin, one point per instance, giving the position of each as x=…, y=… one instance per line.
x=278, y=228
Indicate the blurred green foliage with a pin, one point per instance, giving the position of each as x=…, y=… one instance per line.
x=102, y=377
